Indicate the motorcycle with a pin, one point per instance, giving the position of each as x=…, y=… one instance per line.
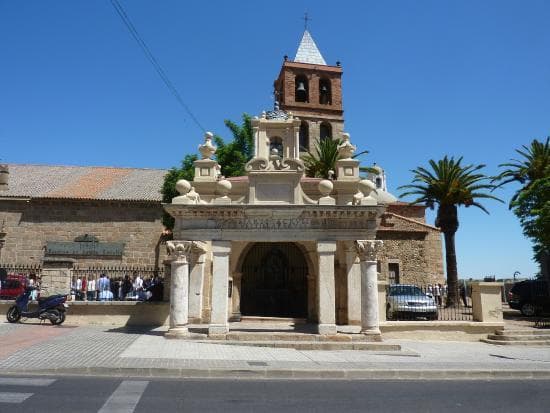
x=51, y=308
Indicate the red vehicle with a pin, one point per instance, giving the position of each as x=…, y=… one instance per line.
x=13, y=286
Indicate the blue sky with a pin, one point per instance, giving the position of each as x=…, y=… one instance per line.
x=421, y=79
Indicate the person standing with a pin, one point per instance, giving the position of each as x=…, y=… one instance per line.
x=437, y=294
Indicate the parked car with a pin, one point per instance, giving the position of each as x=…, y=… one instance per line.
x=531, y=297
x=410, y=302
x=12, y=287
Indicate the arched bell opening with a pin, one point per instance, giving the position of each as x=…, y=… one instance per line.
x=274, y=281
x=301, y=89
x=325, y=93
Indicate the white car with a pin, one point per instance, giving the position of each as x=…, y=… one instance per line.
x=409, y=302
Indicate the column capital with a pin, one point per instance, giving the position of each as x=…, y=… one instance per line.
x=179, y=250
x=368, y=249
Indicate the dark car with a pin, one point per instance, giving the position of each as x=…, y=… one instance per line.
x=12, y=287
x=531, y=297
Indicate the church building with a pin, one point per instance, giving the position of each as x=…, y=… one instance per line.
x=273, y=243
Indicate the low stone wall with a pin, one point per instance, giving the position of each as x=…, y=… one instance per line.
x=113, y=313
x=439, y=330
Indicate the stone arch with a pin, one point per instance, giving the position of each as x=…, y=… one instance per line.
x=325, y=131
x=304, y=136
x=274, y=280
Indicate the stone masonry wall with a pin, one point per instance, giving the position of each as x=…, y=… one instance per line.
x=30, y=224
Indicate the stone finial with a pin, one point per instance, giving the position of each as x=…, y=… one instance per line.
x=366, y=188
x=368, y=249
x=4, y=177
x=207, y=150
x=223, y=187
x=326, y=187
x=188, y=194
x=346, y=149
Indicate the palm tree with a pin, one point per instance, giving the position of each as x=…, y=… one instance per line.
x=531, y=200
x=534, y=165
x=318, y=164
x=449, y=185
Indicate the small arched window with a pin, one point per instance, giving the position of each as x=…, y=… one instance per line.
x=301, y=89
x=378, y=182
x=325, y=93
x=325, y=131
x=304, y=136
x=276, y=143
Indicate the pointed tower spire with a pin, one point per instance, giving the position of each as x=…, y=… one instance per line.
x=308, y=51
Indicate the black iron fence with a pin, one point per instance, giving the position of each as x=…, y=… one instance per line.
x=117, y=283
x=428, y=303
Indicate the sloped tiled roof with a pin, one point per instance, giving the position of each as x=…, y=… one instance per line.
x=84, y=182
x=308, y=51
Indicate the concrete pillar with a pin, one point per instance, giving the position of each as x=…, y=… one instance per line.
x=326, y=310
x=236, y=297
x=486, y=302
x=220, y=281
x=179, y=286
x=196, y=280
x=353, y=284
x=367, y=251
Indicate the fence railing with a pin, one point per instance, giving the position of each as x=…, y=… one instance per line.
x=407, y=302
x=117, y=283
x=27, y=270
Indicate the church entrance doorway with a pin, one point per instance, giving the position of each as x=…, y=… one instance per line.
x=274, y=281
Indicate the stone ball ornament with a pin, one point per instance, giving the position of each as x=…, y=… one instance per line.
x=366, y=187
x=223, y=187
x=183, y=186
x=325, y=187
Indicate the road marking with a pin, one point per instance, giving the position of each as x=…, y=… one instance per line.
x=125, y=398
x=21, y=381
x=6, y=397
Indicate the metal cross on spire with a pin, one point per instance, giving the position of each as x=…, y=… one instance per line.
x=306, y=19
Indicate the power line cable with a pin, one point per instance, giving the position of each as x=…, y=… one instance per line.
x=154, y=62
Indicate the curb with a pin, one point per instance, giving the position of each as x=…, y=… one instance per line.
x=286, y=374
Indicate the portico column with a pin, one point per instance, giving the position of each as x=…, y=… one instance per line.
x=326, y=290
x=196, y=279
x=353, y=284
x=220, y=281
x=236, y=310
x=367, y=251
x=179, y=282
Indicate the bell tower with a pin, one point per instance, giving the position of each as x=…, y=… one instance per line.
x=312, y=91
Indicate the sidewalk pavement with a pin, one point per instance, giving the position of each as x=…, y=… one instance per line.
x=87, y=350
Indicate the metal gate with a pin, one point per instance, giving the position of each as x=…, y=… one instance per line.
x=274, y=281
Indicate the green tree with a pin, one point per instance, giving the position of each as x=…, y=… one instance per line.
x=318, y=163
x=449, y=185
x=531, y=202
x=185, y=171
x=232, y=156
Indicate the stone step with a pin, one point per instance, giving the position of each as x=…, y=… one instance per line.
x=537, y=332
x=302, y=337
x=517, y=343
x=311, y=345
x=518, y=337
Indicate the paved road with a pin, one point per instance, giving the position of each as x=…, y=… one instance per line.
x=87, y=394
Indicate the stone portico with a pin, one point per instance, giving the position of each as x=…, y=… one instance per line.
x=269, y=243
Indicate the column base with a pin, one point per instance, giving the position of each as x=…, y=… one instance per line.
x=327, y=329
x=218, y=329
x=177, y=331
x=235, y=317
x=373, y=331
